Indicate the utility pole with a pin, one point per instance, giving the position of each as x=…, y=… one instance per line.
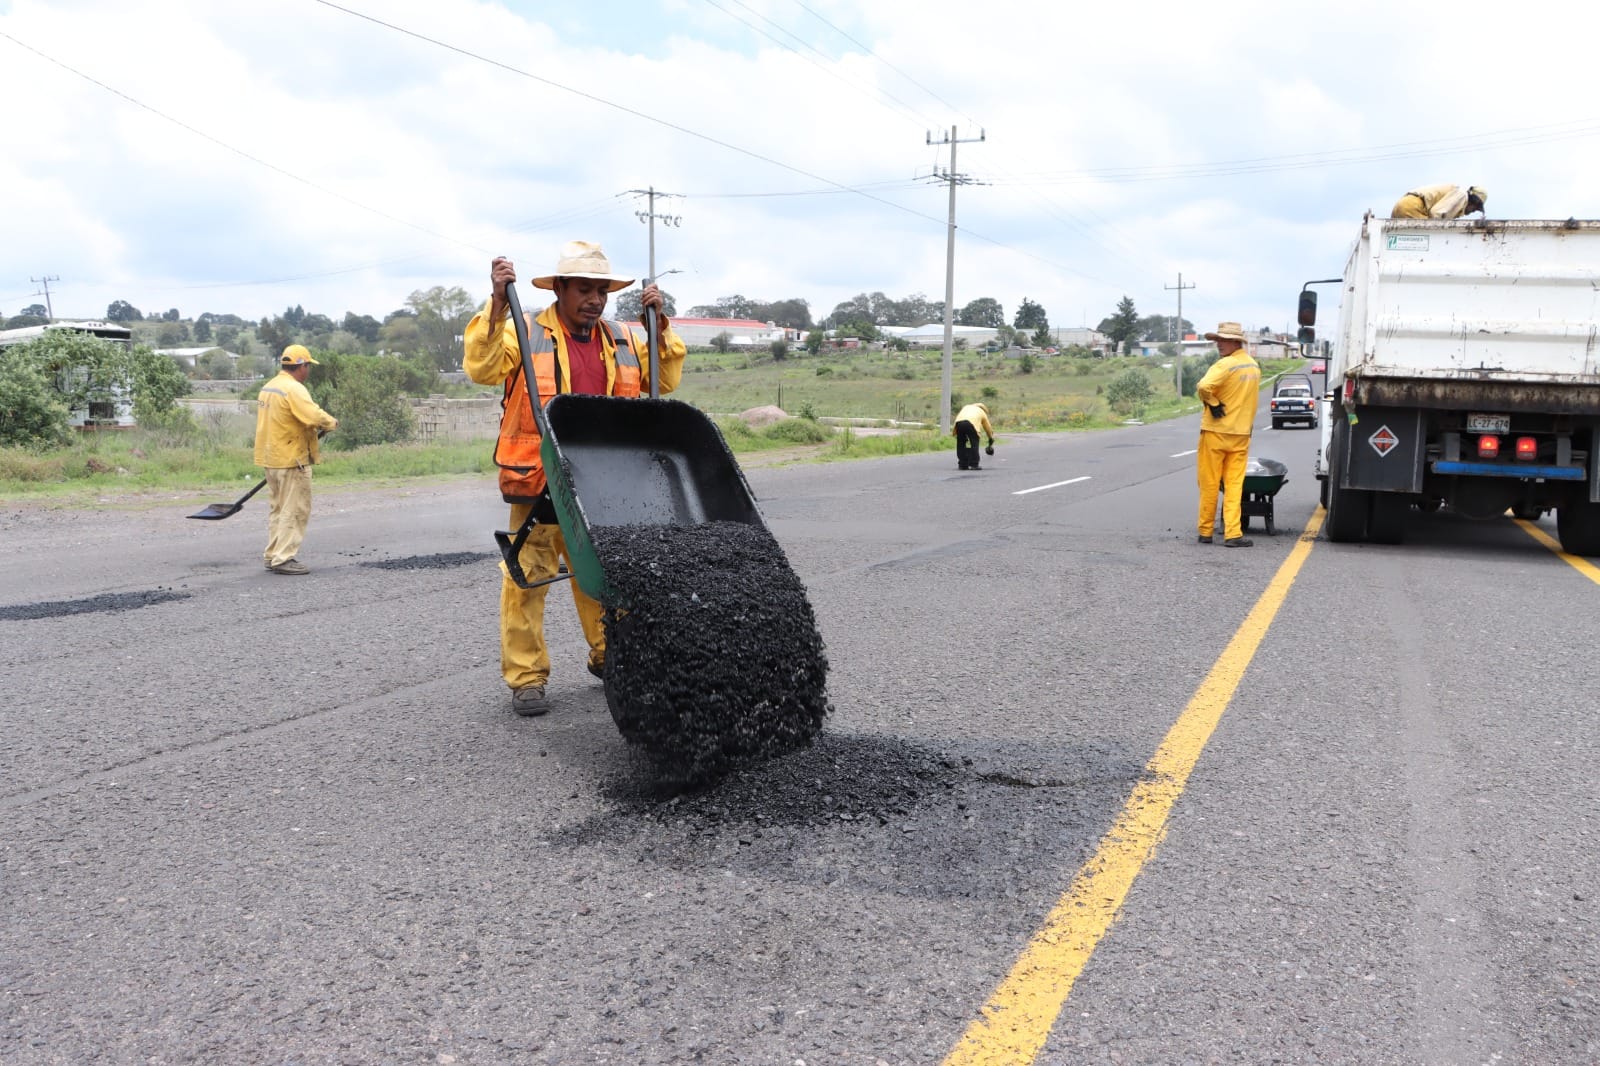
x=48, y=309
x=1177, y=327
x=954, y=179
x=649, y=217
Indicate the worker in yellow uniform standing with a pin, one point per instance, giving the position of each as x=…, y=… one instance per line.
x=1230, y=391
x=1440, y=201
x=287, y=425
x=574, y=349
x=969, y=420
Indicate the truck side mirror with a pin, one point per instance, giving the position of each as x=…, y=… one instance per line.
x=1308, y=308
x=1308, y=337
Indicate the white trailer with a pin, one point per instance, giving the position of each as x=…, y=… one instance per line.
x=1465, y=372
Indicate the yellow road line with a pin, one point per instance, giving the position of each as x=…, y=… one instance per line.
x=1017, y=1020
x=1577, y=562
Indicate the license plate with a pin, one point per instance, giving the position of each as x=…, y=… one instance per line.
x=1481, y=423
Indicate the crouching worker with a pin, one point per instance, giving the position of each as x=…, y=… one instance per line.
x=574, y=349
x=969, y=420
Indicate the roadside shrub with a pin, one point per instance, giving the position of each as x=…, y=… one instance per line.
x=32, y=414
x=797, y=431
x=1129, y=392
x=366, y=393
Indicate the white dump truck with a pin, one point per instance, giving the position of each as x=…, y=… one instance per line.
x=1465, y=373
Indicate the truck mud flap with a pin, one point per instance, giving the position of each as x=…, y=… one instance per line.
x=1385, y=450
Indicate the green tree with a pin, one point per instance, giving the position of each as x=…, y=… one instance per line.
x=1123, y=326
x=779, y=350
x=1030, y=316
x=815, y=339
x=36, y=311
x=21, y=321
x=722, y=341
x=400, y=335
x=32, y=414
x=123, y=311
x=630, y=305
x=364, y=326
x=172, y=334
x=1042, y=337
x=442, y=317
x=202, y=330
x=984, y=311
x=1163, y=328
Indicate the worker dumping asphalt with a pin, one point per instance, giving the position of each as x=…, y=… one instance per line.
x=713, y=659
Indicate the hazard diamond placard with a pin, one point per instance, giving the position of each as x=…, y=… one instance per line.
x=1383, y=441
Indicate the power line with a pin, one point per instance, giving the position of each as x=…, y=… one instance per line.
x=665, y=123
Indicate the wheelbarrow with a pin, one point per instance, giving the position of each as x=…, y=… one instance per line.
x=1262, y=480
x=616, y=461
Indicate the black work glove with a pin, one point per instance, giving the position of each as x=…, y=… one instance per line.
x=1217, y=410
x=989, y=450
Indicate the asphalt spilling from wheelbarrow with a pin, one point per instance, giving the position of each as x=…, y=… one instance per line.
x=713, y=658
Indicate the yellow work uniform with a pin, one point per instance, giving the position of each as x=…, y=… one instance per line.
x=287, y=420
x=1234, y=381
x=1432, y=201
x=978, y=415
x=491, y=356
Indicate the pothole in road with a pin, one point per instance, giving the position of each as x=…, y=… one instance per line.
x=441, y=561
x=105, y=603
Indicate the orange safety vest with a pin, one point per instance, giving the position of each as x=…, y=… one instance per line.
x=516, y=453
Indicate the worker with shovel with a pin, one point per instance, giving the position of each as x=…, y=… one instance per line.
x=287, y=425
x=574, y=350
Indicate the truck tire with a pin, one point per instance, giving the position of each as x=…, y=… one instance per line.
x=1578, y=524
x=1386, y=522
x=1347, y=508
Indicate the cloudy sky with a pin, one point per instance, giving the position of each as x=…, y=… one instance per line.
x=245, y=158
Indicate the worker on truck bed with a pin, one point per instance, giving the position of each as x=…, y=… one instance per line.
x=969, y=420
x=574, y=350
x=1229, y=390
x=1440, y=201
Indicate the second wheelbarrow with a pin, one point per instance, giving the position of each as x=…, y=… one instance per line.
x=1262, y=480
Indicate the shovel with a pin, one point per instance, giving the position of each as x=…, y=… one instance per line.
x=216, y=512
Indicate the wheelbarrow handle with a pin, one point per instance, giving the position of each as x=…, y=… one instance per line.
x=526, y=349
x=653, y=332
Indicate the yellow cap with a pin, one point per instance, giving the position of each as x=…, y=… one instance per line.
x=296, y=355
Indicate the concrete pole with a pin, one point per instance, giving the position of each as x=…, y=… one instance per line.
x=1177, y=361
x=946, y=372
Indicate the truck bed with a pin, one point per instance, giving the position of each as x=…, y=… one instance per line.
x=1450, y=306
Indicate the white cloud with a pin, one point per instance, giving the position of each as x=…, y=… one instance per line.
x=414, y=162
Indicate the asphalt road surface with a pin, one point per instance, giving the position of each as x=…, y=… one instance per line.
x=1090, y=792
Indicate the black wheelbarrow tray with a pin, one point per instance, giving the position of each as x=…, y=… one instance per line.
x=1262, y=480
x=616, y=461
x=636, y=462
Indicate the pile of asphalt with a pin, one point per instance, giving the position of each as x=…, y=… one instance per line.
x=713, y=659
x=105, y=603
x=440, y=561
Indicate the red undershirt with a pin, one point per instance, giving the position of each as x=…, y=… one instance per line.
x=586, y=361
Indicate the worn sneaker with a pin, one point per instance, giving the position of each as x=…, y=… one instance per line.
x=1238, y=542
x=1204, y=539
x=528, y=701
x=291, y=566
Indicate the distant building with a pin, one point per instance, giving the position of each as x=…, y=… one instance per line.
x=931, y=335
x=742, y=332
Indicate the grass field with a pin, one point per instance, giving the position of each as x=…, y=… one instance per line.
x=1057, y=394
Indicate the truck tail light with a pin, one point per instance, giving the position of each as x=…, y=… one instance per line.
x=1488, y=446
x=1527, y=448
